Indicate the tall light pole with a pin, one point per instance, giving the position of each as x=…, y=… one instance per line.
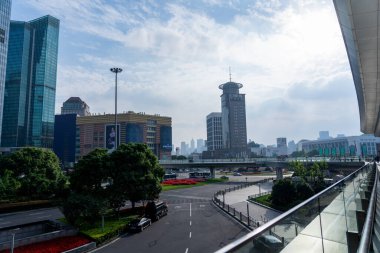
x=116, y=71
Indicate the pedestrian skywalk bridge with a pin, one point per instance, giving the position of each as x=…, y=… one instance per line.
x=341, y=218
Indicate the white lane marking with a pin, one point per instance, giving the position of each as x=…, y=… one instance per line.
x=201, y=205
x=36, y=213
x=190, y=209
x=3, y=223
x=190, y=223
x=45, y=216
x=190, y=235
x=187, y=249
x=176, y=207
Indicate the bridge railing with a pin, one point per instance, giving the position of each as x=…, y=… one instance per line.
x=327, y=222
x=265, y=159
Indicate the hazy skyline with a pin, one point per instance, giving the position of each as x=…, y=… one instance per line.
x=289, y=55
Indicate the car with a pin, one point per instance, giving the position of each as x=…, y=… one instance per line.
x=237, y=174
x=268, y=244
x=139, y=224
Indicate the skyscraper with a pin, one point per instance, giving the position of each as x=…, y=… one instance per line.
x=282, y=147
x=5, y=13
x=75, y=105
x=233, y=116
x=30, y=85
x=214, y=131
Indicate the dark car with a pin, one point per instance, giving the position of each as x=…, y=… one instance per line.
x=268, y=244
x=139, y=224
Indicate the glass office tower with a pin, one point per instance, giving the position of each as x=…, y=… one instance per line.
x=5, y=14
x=31, y=83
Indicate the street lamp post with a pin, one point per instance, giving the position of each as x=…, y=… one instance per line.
x=116, y=71
x=13, y=232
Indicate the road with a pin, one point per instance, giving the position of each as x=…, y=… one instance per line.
x=193, y=224
x=23, y=217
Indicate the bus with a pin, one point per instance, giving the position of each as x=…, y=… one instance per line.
x=170, y=176
x=199, y=175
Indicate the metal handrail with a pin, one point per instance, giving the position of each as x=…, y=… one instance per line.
x=241, y=241
x=366, y=236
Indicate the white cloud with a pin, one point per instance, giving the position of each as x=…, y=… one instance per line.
x=175, y=56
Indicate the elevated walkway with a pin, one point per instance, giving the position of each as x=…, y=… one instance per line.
x=337, y=219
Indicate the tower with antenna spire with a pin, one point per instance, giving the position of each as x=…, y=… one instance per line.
x=234, y=126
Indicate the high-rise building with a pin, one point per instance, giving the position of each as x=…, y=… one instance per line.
x=234, y=125
x=5, y=14
x=183, y=148
x=30, y=85
x=214, y=131
x=192, y=146
x=75, y=105
x=282, y=148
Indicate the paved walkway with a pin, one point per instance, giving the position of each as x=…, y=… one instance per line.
x=238, y=200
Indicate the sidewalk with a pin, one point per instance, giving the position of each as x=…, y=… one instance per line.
x=238, y=200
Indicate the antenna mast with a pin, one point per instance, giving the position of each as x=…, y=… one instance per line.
x=230, y=74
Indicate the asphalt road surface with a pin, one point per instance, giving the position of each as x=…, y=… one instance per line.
x=193, y=224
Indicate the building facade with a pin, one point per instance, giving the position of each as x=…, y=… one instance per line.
x=214, y=131
x=65, y=139
x=282, y=148
x=5, y=14
x=234, y=126
x=98, y=131
x=364, y=145
x=75, y=105
x=30, y=85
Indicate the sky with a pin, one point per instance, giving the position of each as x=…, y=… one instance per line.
x=289, y=56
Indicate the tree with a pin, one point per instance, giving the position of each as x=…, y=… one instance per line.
x=135, y=173
x=283, y=193
x=304, y=191
x=90, y=172
x=299, y=169
x=313, y=153
x=9, y=185
x=37, y=170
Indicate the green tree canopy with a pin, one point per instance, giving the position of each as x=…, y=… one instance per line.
x=135, y=173
x=283, y=193
x=90, y=172
x=37, y=170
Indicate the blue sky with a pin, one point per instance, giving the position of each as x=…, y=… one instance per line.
x=289, y=55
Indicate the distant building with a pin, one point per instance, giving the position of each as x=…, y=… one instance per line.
x=192, y=146
x=363, y=145
x=98, y=131
x=75, y=105
x=200, y=145
x=292, y=147
x=324, y=135
x=282, y=147
x=29, y=98
x=214, y=131
x=183, y=149
x=5, y=14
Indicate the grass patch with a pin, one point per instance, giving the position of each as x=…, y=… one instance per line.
x=111, y=225
x=265, y=200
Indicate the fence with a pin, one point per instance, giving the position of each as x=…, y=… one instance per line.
x=248, y=221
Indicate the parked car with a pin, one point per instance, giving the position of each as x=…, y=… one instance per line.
x=237, y=174
x=139, y=224
x=268, y=244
